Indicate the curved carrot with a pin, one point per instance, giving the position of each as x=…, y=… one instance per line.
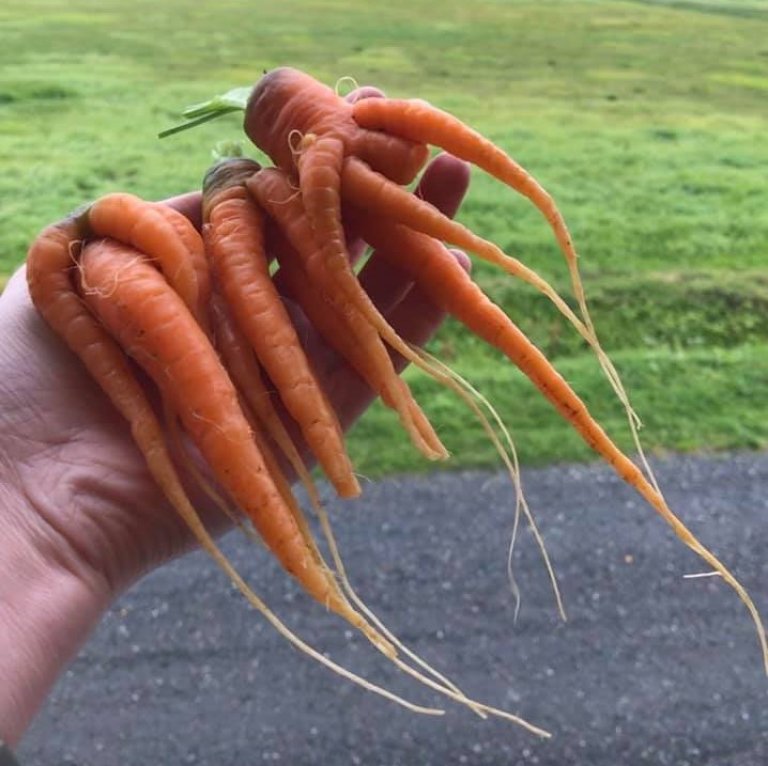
x=153, y=230
x=151, y=322
x=330, y=274
x=234, y=240
x=351, y=337
x=286, y=104
x=420, y=121
x=372, y=192
x=449, y=286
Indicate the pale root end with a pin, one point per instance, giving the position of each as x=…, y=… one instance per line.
x=471, y=396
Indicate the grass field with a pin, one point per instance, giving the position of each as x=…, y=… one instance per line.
x=646, y=120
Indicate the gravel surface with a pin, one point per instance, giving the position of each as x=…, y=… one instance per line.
x=651, y=667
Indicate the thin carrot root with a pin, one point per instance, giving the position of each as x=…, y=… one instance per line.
x=377, y=195
x=448, y=286
x=471, y=397
x=270, y=188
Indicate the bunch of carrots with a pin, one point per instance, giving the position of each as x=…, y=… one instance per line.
x=127, y=282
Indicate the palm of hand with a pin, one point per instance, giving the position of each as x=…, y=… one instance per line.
x=85, y=490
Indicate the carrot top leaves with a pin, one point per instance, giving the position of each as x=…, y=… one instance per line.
x=234, y=100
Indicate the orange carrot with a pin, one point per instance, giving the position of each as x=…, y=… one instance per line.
x=234, y=240
x=373, y=192
x=155, y=230
x=328, y=273
x=347, y=332
x=450, y=287
x=286, y=105
x=150, y=321
x=419, y=121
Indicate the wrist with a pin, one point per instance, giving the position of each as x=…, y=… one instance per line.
x=47, y=610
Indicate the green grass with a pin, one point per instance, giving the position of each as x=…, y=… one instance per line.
x=646, y=120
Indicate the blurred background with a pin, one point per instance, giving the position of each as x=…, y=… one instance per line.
x=646, y=120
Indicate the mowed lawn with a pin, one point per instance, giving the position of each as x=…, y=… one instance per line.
x=646, y=120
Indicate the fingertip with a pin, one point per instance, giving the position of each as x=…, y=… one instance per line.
x=189, y=205
x=364, y=91
x=445, y=183
x=463, y=259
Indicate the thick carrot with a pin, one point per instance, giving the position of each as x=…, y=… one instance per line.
x=153, y=230
x=449, y=286
x=148, y=319
x=285, y=105
x=234, y=240
x=330, y=274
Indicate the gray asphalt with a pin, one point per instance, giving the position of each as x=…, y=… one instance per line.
x=650, y=668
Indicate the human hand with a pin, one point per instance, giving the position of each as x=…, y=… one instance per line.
x=80, y=517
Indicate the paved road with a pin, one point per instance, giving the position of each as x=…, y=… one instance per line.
x=651, y=667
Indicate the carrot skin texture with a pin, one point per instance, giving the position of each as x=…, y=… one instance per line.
x=331, y=273
x=419, y=121
x=347, y=333
x=286, y=103
x=234, y=240
x=155, y=231
x=152, y=323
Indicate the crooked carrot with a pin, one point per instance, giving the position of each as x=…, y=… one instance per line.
x=233, y=233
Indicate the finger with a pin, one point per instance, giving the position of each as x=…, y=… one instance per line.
x=365, y=91
x=190, y=205
x=444, y=183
